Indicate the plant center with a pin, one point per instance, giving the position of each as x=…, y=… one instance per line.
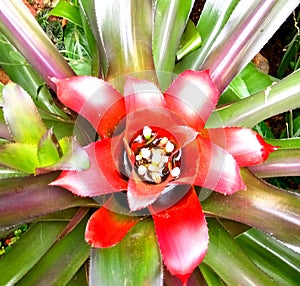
x=157, y=154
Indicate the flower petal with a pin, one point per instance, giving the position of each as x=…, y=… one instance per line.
x=215, y=168
x=246, y=146
x=94, y=99
x=194, y=96
x=103, y=176
x=106, y=228
x=182, y=235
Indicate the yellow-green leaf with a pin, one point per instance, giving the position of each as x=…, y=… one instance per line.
x=48, y=149
x=19, y=156
x=21, y=115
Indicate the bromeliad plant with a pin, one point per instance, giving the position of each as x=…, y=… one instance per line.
x=157, y=144
x=150, y=162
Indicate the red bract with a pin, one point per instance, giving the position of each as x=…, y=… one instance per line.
x=154, y=147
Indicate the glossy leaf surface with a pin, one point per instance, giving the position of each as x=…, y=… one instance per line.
x=72, y=156
x=94, y=98
x=21, y=28
x=275, y=259
x=249, y=81
x=212, y=19
x=34, y=198
x=263, y=206
x=28, y=251
x=124, y=259
x=128, y=38
x=192, y=95
x=47, y=150
x=282, y=163
x=223, y=248
x=99, y=62
x=216, y=168
x=259, y=21
x=68, y=11
x=62, y=261
x=211, y=278
x=190, y=40
x=169, y=24
x=276, y=99
x=15, y=65
x=99, y=179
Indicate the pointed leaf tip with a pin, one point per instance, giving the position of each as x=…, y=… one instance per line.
x=246, y=146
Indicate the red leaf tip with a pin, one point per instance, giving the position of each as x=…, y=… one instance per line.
x=267, y=148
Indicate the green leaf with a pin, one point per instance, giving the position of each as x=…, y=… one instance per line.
x=63, y=215
x=98, y=54
x=77, y=49
x=21, y=115
x=289, y=56
x=25, y=199
x=67, y=10
x=28, y=250
x=73, y=158
x=136, y=258
x=249, y=27
x=264, y=130
x=80, y=278
x=211, y=278
x=249, y=81
x=291, y=143
x=21, y=72
x=271, y=256
x=293, y=126
x=48, y=152
x=128, y=38
x=277, y=98
x=213, y=17
x=29, y=38
x=92, y=42
x=61, y=262
x=169, y=24
x=20, y=156
x=190, y=40
x=282, y=163
x=235, y=267
x=263, y=206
